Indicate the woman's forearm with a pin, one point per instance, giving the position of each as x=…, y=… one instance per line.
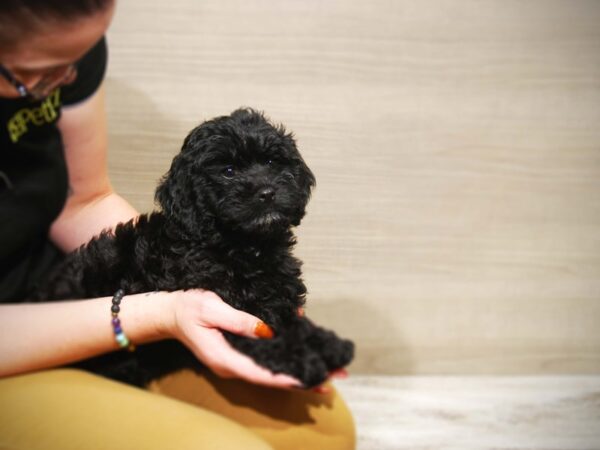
x=82, y=219
x=42, y=335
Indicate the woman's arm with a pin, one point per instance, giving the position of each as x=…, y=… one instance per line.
x=92, y=205
x=43, y=335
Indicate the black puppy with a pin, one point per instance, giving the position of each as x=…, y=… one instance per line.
x=228, y=203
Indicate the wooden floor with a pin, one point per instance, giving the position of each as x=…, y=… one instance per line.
x=463, y=413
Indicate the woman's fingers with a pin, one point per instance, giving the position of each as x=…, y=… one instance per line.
x=201, y=317
x=243, y=367
x=339, y=373
x=322, y=389
x=325, y=388
x=225, y=361
x=219, y=314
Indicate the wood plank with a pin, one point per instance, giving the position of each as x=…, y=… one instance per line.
x=456, y=222
x=474, y=413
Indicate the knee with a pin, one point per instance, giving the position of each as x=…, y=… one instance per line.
x=334, y=427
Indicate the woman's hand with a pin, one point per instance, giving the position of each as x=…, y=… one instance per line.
x=198, y=317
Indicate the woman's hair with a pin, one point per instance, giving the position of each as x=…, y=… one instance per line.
x=20, y=17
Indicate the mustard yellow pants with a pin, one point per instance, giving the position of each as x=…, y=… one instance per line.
x=66, y=409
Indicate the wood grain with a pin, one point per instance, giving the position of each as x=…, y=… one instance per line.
x=475, y=413
x=455, y=227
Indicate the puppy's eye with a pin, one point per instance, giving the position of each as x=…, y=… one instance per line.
x=270, y=161
x=228, y=172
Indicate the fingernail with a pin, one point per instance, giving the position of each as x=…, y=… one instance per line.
x=262, y=330
x=300, y=311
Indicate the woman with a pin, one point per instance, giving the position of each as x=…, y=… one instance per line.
x=54, y=196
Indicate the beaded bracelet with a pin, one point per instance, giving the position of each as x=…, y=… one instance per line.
x=120, y=337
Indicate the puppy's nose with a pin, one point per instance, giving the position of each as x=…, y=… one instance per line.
x=266, y=195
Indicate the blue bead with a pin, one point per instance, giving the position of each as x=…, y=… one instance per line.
x=122, y=339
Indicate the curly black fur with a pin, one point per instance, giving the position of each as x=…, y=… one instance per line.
x=228, y=204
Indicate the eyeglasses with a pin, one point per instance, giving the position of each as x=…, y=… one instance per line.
x=44, y=86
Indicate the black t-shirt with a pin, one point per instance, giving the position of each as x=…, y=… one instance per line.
x=33, y=176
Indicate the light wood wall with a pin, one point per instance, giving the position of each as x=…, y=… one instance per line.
x=455, y=227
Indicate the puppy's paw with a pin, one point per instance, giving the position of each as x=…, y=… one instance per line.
x=341, y=356
x=311, y=370
x=333, y=350
x=314, y=367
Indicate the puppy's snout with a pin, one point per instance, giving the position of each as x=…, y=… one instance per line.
x=266, y=195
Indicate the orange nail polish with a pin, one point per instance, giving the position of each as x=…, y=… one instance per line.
x=262, y=330
x=300, y=311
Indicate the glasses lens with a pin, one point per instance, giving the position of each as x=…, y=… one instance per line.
x=51, y=80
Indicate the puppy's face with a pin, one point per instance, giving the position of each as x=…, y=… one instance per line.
x=240, y=171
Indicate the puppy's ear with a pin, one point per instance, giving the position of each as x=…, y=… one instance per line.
x=176, y=193
x=306, y=182
x=309, y=179
x=166, y=192
x=172, y=195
